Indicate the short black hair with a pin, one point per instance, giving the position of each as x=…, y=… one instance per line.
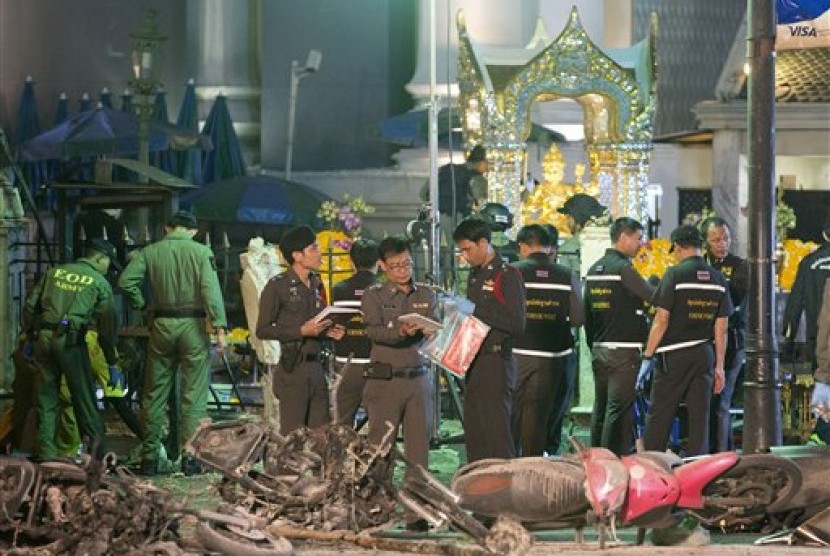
x=296, y=239
x=713, y=222
x=687, y=236
x=477, y=154
x=624, y=225
x=364, y=253
x=472, y=229
x=184, y=219
x=553, y=235
x=393, y=245
x=534, y=235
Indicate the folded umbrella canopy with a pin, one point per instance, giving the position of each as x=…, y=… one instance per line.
x=189, y=163
x=28, y=126
x=225, y=160
x=411, y=129
x=162, y=159
x=104, y=131
x=256, y=199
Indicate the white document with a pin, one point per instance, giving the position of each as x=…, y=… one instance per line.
x=332, y=310
x=422, y=322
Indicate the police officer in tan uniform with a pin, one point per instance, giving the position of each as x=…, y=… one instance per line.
x=693, y=305
x=497, y=289
x=352, y=352
x=398, y=388
x=287, y=309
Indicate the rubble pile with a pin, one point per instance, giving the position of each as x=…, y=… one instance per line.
x=324, y=479
x=61, y=508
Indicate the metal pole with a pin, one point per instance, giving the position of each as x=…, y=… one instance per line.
x=762, y=423
x=435, y=229
x=292, y=108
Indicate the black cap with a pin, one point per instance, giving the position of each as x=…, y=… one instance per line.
x=184, y=219
x=582, y=208
x=105, y=248
x=687, y=236
x=296, y=239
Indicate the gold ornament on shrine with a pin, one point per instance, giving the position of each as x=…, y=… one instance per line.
x=615, y=88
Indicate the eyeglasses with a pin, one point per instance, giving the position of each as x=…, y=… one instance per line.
x=403, y=265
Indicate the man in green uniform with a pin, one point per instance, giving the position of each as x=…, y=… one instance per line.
x=185, y=290
x=68, y=299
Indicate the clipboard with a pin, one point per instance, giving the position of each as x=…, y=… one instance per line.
x=332, y=310
x=424, y=323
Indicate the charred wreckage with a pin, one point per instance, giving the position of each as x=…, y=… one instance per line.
x=330, y=484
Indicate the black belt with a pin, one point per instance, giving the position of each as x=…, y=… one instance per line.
x=408, y=372
x=180, y=313
x=498, y=348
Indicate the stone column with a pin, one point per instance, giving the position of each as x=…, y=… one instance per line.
x=490, y=22
x=729, y=184
x=12, y=290
x=223, y=57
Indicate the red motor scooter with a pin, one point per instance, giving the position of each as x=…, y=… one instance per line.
x=647, y=489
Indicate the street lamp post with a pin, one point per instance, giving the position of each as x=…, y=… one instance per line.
x=146, y=61
x=312, y=64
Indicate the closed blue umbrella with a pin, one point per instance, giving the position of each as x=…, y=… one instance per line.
x=84, y=103
x=83, y=170
x=28, y=126
x=189, y=163
x=225, y=160
x=55, y=167
x=122, y=174
x=106, y=98
x=127, y=101
x=161, y=159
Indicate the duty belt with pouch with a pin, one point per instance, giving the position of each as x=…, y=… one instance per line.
x=290, y=354
x=503, y=348
x=64, y=329
x=385, y=371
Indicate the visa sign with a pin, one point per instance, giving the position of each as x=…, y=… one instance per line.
x=803, y=24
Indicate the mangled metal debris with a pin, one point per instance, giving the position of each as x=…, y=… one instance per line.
x=325, y=479
x=320, y=481
x=61, y=507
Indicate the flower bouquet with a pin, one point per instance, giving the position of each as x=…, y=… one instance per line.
x=344, y=223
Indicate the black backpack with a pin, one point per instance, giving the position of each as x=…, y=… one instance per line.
x=463, y=175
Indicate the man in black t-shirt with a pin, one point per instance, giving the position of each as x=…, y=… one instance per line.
x=693, y=306
x=544, y=351
x=718, y=236
x=352, y=352
x=616, y=330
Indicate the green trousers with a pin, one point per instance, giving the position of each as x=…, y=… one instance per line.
x=177, y=345
x=57, y=357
